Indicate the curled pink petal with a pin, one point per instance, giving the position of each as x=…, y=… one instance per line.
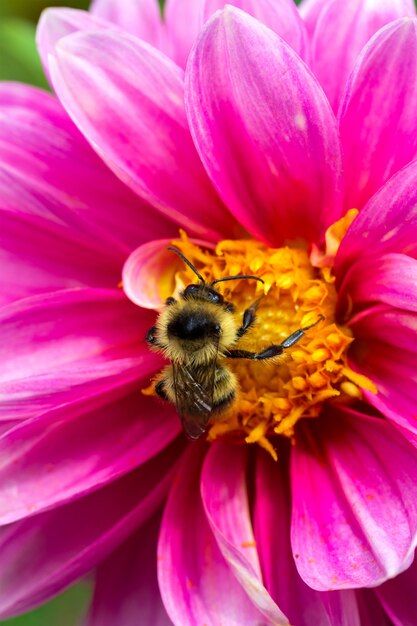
x=149, y=273
x=126, y=588
x=137, y=89
x=139, y=17
x=342, y=30
x=264, y=130
x=272, y=514
x=374, y=121
x=144, y=272
x=362, y=529
x=36, y=560
x=196, y=583
x=387, y=223
x=225, y=499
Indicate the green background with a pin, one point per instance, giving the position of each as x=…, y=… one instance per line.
x=18, y=56
x=65, y=610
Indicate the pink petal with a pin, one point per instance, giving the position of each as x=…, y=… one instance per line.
x=399, y=597
x=225, y=499
x=388, y=223
x=60, y=347
x=391, y=328
x=126, y=591
x=56, y=23
x=67, y=221
x=389, y=279
x=44, y=554
x=385, y=350
x=362, y=529
x=280, y=16
x=310, y=11
x=136, y=89
x=71, y=451
x=264, y=130
x=272, y=514
x=39, y=255
x=143, y=273
x=196, y=584
x=7, y=424
x=148, y=274
x=140, y=17
x=342, y=30
x=376, y=121
x=185, y=18
x=51, y=172
x=83, y=353
x=371, y=610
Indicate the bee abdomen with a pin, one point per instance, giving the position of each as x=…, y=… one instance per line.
x=224, y=389
x=222, y=403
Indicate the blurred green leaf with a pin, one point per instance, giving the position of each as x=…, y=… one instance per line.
x=31, y=9
x=19, y=58
x=66, y=610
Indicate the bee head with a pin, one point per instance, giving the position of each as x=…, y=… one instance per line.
x=202, y=316
x=195, y=325
x=195, y=321
x=202, y=292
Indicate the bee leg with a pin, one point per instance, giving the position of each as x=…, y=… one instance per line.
x=170, y=301
x=274, y=349
x=268, y=353
x=152, y=339
x=249, y=317
x=160, y=389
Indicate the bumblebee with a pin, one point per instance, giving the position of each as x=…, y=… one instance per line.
x=198, y=333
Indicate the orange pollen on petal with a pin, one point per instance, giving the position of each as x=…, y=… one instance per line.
x=275, y=394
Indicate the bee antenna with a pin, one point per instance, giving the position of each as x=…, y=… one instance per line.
x=190, y=265
x=219, y=280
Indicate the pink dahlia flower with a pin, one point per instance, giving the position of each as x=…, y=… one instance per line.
x=286, y=151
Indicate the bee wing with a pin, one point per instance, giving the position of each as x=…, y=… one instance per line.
x=194, y=397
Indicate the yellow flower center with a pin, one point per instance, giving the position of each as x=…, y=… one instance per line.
x=274, y=395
